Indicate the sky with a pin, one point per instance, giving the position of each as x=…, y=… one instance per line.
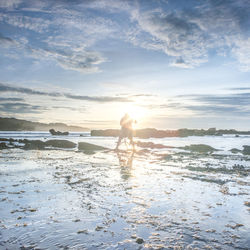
x=169, y=63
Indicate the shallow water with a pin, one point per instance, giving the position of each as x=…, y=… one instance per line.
x=161, y=198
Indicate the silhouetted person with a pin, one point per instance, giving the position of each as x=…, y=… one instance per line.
x=126, y=130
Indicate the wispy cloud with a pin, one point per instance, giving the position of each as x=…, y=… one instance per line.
x=9, y=4
x=20, y=108
x=6, y=41
x=192, y=33
x=100, y=99
x=11, y=99
x=78, y=60
x=238, y=99
x=188, y=35
x=227, y=105
x=199, y=105
x=240, y=88
x=36, y=24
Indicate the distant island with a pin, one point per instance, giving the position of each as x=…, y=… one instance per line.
x=13, y=124
x=154, y=133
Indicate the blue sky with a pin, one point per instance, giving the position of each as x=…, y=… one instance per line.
x=171, y=63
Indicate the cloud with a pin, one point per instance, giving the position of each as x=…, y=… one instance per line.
x=64, y=36
x=226, y=105
x=11, y=99
x=36, y=24
x=9, y=3
x=242, y=53
x=217, y=105
x=179, y=62
x=208, y=110
x=20, y=108
x=8, y=88
x=71, y=59
x=100, y=99
x=6, y=41
x=196, y=31
x=189, y=34
x=241, y=88
x=240, y=99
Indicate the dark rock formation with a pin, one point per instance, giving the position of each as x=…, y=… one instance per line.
x=53, y=132
x=106, y=132
x=246, y=150
x=154, y=133
x=235, y=150
x=33, y=144
x=3, y=145
x=60, y=144
x=151, y=145
x=5, y=139
x=39, y=145
x=89, y=148
x=200, y=148
x=139, y=240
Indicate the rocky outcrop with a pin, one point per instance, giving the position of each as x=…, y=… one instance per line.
x=37, y=144
x=199, y=148
x=246, y=150
x=3, y=145
x=53, y=132
x=235, y=150
x=150, y=145
x=60, y=144
x=33, y=144
x=106, y=132
x=155, y=133
x=89, y=148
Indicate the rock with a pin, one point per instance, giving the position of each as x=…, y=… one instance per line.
x=89, y=148
x=151, y=145
x=98, y=228
x=235, y=150
x=106, y=132
x=3, y=146
x=60, y=143
x=237, y=225
x=5, y=139
x=246, y=150
x=33, y=144
x=200, y=148
x=82, y=231
x=167, y=157
x=37, y=144
x=247, y=203
x=154, y=133
x=53, y=132
x=139, y=240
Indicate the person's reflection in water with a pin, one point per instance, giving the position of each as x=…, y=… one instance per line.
x=126, y=163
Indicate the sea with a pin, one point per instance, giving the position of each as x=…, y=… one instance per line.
x=150, y=198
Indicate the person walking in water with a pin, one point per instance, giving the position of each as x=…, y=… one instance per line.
x=126, y=130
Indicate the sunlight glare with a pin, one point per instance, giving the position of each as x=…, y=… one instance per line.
x=135, y=112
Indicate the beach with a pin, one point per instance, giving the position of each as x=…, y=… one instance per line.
x=173, y=197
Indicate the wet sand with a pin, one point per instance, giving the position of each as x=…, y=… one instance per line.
x=169, y=199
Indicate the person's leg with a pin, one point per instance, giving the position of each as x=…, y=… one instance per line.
x=132, y=143
x=118, y=143
x=131, y=139
x=121, y=136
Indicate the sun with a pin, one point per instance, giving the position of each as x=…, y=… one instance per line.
x=135, y=112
